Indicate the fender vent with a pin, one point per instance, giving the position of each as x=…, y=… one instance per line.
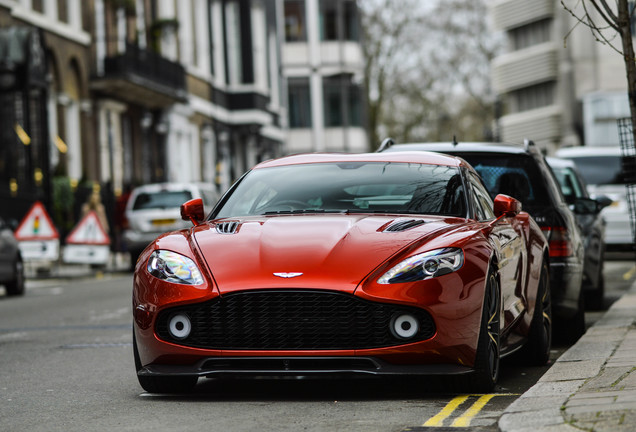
x=229, y=227
x=403, y=225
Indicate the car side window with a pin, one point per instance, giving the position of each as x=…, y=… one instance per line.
x=483, y=204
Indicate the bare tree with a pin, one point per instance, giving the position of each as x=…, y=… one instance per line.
x=428, y=69
x=606, y=23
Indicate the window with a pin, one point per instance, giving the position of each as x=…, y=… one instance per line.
x=299, y=103
x=482, y=203
x=295, y=28
x=532, y=34
x=342, y=96
x=338, y=20
x=536, y=96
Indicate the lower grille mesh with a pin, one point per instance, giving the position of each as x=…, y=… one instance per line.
x=292, y=320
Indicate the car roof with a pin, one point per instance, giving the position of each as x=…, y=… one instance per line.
x=557, y=162
x=431, y=158
x=170, y=186
x=460, y=147
x=589, y=151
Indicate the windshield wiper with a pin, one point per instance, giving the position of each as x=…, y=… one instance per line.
x=302, y=211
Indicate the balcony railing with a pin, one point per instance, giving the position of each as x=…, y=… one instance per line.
x=142, y=75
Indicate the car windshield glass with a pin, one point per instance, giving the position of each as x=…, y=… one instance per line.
x=163, y=199
x=600, y=170
x=358, y=187
x=570, y=187
x=516, y=175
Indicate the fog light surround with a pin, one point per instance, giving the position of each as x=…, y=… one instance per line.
x=405, y=326
x=180, y=326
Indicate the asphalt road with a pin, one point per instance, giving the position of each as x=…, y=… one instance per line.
x=66, y=365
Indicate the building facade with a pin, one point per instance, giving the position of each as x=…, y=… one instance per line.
x=557, y=85
x=323, y=67
x=136, y=91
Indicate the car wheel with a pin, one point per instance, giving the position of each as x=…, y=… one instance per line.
x=16, y=286
x=171, y=384
x=537, y=350
x=487, y=359
x=570, y=330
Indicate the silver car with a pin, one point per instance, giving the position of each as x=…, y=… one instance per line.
x=11, y=264
x=154, y=209
x=601, y=169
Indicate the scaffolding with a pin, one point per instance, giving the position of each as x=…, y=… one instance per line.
x=628, y=149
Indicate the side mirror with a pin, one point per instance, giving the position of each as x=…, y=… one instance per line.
x=506, y=206
x=603, y=201
x=193, y=211
x=586, y=206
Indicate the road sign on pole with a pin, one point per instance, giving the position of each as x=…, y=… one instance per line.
x=88, y=242
x=37, y=236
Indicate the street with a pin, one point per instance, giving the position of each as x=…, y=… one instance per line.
x=67, y=365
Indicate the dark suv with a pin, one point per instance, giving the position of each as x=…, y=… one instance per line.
x=522, y=172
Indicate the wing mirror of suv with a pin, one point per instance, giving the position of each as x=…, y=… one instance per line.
x=585, y=206
x=506, y=206
x=193, y=211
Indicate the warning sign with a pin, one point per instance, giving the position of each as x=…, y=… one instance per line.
x=36, y=225
x=88, y=231
x=88, y=243
x=37, y=237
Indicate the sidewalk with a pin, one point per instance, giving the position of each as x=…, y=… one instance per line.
x=119, y=262
x=592, y=386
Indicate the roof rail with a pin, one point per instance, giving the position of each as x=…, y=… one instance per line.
x=386, y=143
x=527, y=143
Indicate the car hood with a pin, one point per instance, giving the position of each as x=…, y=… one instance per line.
x=308, y=251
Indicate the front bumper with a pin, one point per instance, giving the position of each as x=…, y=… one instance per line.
x=298, y=366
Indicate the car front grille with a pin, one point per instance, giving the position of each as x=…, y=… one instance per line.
x=292, y=320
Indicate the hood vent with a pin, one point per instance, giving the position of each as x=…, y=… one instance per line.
x=403, y=225
x=230, y=227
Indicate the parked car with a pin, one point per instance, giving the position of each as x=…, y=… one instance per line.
x=601, y=169
x=353, y=264
x=11, y=264
x=521, y=172
x=153, y=209
x=592, y=224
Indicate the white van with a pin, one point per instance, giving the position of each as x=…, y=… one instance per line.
x=601, y=167
x=154, y=209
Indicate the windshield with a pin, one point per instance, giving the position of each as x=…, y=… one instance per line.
x=599, y=170
x=359, y=187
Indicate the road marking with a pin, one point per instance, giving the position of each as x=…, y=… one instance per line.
x=438, y=419
x=463, y=420
x=629, y=274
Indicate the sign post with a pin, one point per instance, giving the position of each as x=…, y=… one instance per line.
x=88, y=243
x=37, y=237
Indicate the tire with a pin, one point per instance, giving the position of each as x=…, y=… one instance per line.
x=536, y=352
x=169, y=384
x=568, y=331
x=16, y=286
x=595, y=299
x=487, y=360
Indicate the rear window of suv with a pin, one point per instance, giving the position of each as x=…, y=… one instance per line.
x=162, y=199
x=517, y=175
x=600, y=170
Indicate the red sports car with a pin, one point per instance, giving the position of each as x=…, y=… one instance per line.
x=380, y=264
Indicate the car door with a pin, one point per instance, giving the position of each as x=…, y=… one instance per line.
x=507, y=235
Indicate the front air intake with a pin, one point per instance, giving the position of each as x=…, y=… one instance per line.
x=230, y=227
x=403, y=225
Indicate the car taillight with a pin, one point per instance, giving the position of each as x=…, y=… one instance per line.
x=559, y=241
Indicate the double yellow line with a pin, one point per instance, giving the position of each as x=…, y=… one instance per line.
x=465, y=419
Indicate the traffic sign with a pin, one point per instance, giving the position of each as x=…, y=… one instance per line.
x=88, y=231
x=36, y=225
x=37, y=237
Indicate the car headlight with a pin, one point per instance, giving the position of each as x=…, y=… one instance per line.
x=424, y=266
x=174, y=267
